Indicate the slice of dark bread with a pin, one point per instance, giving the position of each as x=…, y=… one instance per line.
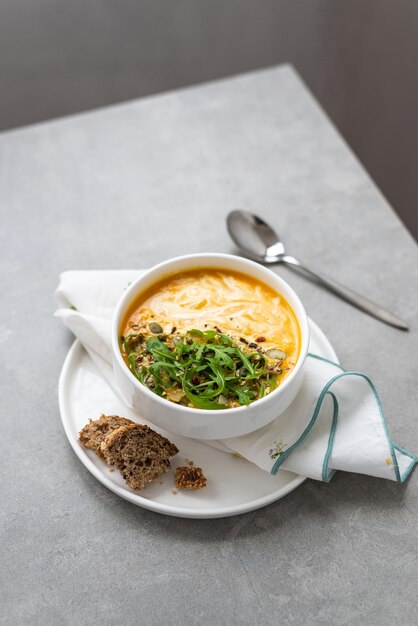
x=140, y=454
x=94, y=433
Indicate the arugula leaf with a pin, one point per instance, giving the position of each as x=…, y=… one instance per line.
x=211, y=370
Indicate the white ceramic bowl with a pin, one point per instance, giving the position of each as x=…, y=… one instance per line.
x=200, y=423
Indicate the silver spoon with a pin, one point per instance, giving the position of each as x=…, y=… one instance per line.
x=259, y=242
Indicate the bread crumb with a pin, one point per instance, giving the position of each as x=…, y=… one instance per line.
x=189, y=462
x=190, y=478
x=174, y=492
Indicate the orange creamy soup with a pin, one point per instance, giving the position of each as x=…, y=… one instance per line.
x=238, y=305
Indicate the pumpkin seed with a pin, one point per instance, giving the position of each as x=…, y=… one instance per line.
x=279, y=355
x=155, y=328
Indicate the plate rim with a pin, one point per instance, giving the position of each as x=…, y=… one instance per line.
x=158, y=507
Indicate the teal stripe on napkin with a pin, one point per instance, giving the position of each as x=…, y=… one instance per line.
x=326, y=474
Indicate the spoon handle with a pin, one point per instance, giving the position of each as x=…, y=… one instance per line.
x=347, y=294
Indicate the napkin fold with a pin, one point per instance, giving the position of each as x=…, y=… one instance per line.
x=336, y=422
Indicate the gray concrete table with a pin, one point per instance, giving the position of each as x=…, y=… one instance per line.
x=130, y=186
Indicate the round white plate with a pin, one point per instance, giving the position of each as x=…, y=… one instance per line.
x=234, y=485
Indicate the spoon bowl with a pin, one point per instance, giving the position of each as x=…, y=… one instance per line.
x=255, y=237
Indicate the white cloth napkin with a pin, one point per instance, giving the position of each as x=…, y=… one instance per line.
x=335, y=423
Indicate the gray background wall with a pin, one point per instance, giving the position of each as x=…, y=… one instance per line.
x=359, y=57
